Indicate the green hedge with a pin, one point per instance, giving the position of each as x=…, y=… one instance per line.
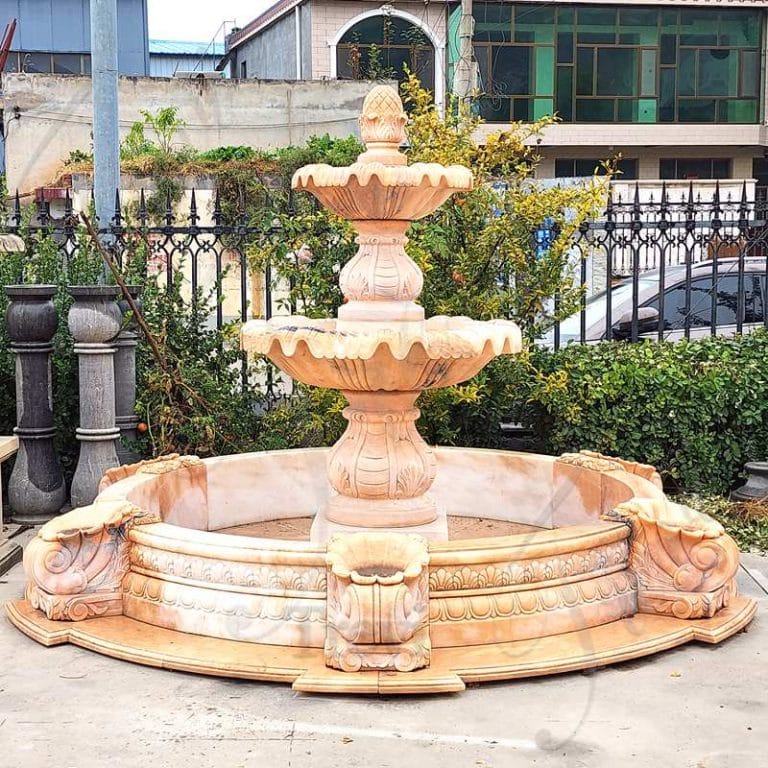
x=697, y=410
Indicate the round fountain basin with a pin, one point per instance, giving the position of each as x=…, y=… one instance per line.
x=223, y=579
x=530, y=555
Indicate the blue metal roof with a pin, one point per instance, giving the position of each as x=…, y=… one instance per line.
x=185, y=48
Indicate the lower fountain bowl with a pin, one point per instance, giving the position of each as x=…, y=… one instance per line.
x=207, y=566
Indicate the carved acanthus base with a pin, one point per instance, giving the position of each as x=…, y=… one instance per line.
x=76, y=563
x=378, y=602
x=684, y=561
x=381, y=467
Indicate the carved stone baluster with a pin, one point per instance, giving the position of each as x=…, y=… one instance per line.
x=94, y=321
x=36, y=491
x=125, y=385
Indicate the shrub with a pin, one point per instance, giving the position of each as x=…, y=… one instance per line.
x=193, y=399
x=227, y=154
x=697, y=410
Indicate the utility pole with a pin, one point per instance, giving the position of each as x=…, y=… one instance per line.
x=465, y=74
x=106, y=136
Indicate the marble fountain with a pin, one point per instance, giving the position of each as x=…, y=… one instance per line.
x=381, y=565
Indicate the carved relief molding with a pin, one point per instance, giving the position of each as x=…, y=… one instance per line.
x=308, y=581
x=502, y=605
x=187, y=598
x=528, y=573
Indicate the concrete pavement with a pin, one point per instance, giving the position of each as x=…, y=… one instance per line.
x=696, y=706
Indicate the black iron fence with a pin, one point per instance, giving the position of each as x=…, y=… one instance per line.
x=670, y=268
x=213, y=256
x=674, y=267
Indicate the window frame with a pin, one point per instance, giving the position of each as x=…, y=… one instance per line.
x=654, y=100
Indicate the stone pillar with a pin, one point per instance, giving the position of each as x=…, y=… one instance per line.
x=94, y=320
x=36, y=491
x=125, y=385
x=756, y=487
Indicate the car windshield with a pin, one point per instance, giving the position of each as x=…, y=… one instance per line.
x=595, y=305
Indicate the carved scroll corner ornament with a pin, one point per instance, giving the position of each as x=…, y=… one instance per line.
x=599, y=462
x=76, y=563
x=684, y=561
x=377, y=602
x=158, y=466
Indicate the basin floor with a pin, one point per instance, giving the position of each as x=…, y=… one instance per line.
x=459, y=527
x=694, y=706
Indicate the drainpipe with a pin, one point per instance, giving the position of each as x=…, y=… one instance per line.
x=297, y=22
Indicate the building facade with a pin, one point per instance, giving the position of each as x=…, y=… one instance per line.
x=168, y=58
x=54, y=36
x=344, y=39
x=677, y=88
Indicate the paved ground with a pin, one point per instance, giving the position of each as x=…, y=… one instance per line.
x=697, y=707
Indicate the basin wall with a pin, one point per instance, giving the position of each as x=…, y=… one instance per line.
x=186, y=576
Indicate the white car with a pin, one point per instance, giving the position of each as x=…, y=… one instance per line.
x=679, y=303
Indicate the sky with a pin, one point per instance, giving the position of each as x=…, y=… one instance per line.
x=176, y=19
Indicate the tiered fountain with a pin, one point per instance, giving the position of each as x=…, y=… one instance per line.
x=381, y=565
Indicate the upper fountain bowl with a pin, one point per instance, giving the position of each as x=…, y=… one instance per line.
x=380, y=185
x=375, y=191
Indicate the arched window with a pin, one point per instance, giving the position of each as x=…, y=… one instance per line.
x=385, y=47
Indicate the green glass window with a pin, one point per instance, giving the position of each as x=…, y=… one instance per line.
x=619, y=63
x=718, y=72
x=648, y=73
x=515, y=50
x=616, y=72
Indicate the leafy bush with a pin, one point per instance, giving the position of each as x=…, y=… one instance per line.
x=696, y=410
x=192, y=399
x=227, y=154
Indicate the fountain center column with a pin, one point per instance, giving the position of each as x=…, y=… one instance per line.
x=381, y=282
x=381, y=468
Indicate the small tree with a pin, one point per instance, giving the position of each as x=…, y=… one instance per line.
x=477, y=251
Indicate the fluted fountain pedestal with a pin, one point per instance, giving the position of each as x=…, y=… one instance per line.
x=381, y=470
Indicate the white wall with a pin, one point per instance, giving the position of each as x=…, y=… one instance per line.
x=55, y=115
